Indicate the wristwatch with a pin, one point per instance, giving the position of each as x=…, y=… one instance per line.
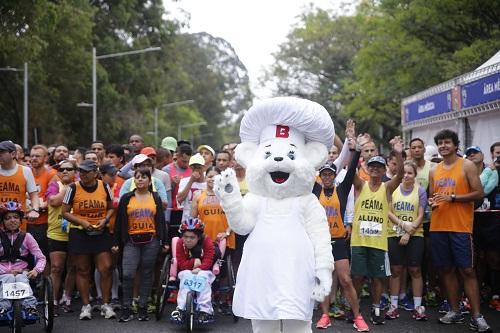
x=228, y=233
x=35, y=210
x=453, y=197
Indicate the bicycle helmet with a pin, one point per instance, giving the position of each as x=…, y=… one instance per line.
x=192, y=224
x=11, y=206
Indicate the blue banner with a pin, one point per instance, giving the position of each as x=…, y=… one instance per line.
x=481, y=91
x=428, y=107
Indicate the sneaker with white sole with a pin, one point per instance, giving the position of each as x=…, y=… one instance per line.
x=479, y=324
x=452, y=317
x=86, y=312
x=107, y=311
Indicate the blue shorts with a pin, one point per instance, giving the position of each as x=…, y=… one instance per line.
x=452, y=249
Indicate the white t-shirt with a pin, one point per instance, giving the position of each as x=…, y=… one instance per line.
x=187, y=203
x=28, y=175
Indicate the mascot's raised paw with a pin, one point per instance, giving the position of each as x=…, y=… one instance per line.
x=226, y=184
x=323, y=284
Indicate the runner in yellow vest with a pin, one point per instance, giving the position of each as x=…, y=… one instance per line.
x=369, y=230
x=406, y=241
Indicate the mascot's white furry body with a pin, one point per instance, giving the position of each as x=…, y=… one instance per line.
x=287, y=259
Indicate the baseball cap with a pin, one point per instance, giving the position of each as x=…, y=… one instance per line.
x=169, y=143
x=328, y=166
x=138, y=159
x=430, y=152
x=377, y=159
x=196, y=159
x=472, y=149
x=88, y=165
x=7, y=146
x=108, y=168
x=207, y=147
x=148, y=151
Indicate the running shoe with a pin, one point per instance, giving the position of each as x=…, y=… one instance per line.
x=86, y=312
x=65, y=303
x=107, y=311
x=96, y=304
x=3, y=314
x=365, y=291
x=392, y=313
x=205, y=318
x=126, y=315
x=31, y=314
x=360, y=324
x=444, y=307
x=407, y=304
x=419, y=313
x=384, y=303
x=376, y=317
x=142, y=314
x=324, y=322
x=495, y=303
x=465, y=306
x=177, y=316
x=479, y=324
x=336, y=312
x=452, y=317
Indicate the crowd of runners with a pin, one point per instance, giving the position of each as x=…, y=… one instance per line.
x=417, y=228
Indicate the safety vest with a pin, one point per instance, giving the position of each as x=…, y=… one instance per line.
x=13, y=188
x=371, y=216
x=333, y=214
x=141, y=216
x=405, y=207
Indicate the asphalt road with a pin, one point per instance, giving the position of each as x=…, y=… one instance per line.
x=69, y=323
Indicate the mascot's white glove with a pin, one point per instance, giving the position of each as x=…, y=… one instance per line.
x=226, y=187
x=323, y=284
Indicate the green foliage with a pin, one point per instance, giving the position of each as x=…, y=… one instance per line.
x=56, y=39
x=398, y=48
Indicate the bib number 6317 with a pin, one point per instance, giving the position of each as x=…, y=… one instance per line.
x=195, y=282
x=16, y=290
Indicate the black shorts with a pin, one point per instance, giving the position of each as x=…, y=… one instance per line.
x=340, y=249
x=410, y=254
x=426, y=226
x=39, y=233
x=487, y=231
x=81, y=243
x=57, y=246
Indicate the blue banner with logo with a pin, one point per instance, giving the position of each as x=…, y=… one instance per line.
x=481, y=91
x=428, y=107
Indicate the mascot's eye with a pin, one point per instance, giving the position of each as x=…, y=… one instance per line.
x=267, y=154
x=291, y=155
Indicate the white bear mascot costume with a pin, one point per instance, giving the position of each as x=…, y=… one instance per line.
x=287, y=259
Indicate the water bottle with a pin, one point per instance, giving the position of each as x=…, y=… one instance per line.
x=65, y=225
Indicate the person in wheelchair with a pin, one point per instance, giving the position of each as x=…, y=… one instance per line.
x=195, y=254
x=15, y=249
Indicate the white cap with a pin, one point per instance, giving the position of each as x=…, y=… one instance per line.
x=138, y=159
x=431, y=152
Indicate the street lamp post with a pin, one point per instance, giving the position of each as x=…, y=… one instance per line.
x=180, y=127
x=25, y=104
x=95, y=57
x=188, y=101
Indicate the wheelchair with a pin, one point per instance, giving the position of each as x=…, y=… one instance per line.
x=17, y=317
x=169, y=282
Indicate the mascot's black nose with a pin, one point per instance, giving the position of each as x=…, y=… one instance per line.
x=278, y=159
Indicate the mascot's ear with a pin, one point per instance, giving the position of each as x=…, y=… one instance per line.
x=244, y=153
x=316, y=153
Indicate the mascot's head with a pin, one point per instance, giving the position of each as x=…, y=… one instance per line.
x=284, y=140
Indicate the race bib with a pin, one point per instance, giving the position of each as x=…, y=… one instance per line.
x=194, y=282
x=16, y=290
x=367, y=228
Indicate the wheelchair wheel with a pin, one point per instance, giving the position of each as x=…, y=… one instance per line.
x=231, y=277
x=48, y=304
x=189, y=312
x=162, y=290
x=17, y=316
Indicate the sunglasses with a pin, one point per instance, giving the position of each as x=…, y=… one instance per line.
x=66, y=169
x=85, y=171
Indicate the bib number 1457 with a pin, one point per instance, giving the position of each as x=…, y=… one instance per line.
x=16, y=290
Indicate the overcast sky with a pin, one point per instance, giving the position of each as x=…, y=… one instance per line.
x=254, y=28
